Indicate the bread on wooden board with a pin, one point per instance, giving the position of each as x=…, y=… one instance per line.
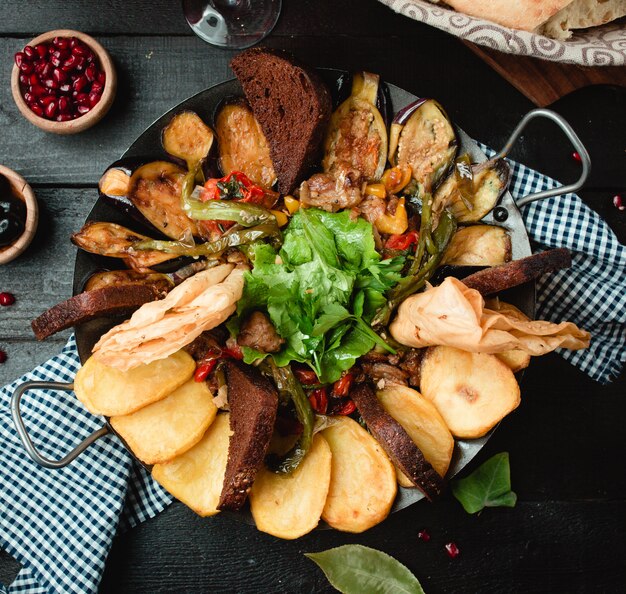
x=292, y=105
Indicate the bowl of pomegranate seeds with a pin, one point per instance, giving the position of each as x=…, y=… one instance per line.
x=63, y=81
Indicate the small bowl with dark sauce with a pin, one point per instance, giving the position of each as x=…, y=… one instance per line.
x=19, y=214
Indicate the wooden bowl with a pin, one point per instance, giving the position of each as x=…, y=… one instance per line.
x=93, y=116
x=24, y=191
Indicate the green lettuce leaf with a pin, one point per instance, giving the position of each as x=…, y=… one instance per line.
x=320, y=291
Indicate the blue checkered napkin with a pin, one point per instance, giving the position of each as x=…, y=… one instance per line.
x=592, y=293
x=59, y=524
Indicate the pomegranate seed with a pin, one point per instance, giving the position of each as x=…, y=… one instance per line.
x=45, y=101
x=80, y=49
x=50, y=83
x=29, y=52
x=47, y=71
x=29, y=98
x=346, y=409
x=82, y=99
x=56, y=62
x=25, y=79
x=80, y=83
x=39, y=66
x=102, y=78
x=91, y=72
x=61, y=42
x=19, y=59
x=70, y=63
x=3, y=356
x=65, y=89
x=36, y=109
x=618, y=202
x=59, y=75
x=64, y=104
x=51, y=109
x=319, y=400
x=576, y=157
x=33, y=79
x=97, y=88
x=38, y=91
x=452, y=550
x=424, y=535
x=80, y=63
x=7, y=299
x=26, y=67
x=94, y=98
x=42, y=50
x=342, y=386
x=64, y=117
x=83, y=109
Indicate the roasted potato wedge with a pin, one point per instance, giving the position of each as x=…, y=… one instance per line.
x=362, y=480
x=108, y=391
x=515, y=359
x=167, y=428
x=425, y=426
x=290, y=505
x=196, y=476
x=478, y=245
x=187, y=137
x=242, y=144
x=472, y=391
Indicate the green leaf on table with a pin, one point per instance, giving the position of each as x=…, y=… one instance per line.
x=355, y=569
x=488, y=486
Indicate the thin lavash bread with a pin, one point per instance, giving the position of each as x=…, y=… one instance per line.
x=553, y=18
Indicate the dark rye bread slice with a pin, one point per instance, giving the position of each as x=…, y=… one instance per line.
x=402, y=450
x=253, y=401
x=518, y=272
x=293, y=107
x=106, y=301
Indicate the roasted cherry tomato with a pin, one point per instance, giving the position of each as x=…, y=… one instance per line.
x=342, y=386
x=402, y=242
x=237, y=186
x=319, y=400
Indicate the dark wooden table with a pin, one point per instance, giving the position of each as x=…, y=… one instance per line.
x=567, y=439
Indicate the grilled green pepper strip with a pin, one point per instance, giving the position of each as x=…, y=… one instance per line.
x=289, y=387
x=213, y=248
x=412, y=283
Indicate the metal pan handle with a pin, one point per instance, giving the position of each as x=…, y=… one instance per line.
x=23, y=432
x=572, y=137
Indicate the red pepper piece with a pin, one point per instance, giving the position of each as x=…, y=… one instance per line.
x=346, y=409
x=402, y=242
x=319, y=400
x=203, y=370
x=342, y=386
x=233, y=351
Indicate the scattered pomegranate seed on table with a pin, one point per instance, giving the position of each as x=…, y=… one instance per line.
x=3, y=356
x=452, y=550
x=618, y=202
x=60, y=80
x=424, y=535
x=576, y=157
x=7, y=299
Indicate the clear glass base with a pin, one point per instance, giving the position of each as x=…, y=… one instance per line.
x=232, y=24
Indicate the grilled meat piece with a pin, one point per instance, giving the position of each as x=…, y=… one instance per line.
x=257, y=332
x=253, y=401
x=383, y=373
x=330, y=193
x=396, y=442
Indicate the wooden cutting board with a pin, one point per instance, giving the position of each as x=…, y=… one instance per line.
x=544, y=82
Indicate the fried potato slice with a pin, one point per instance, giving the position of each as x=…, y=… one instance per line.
x=108, y=391
x=478, y=245
x=515, y=359
x=362, y=480
x=472, y=391
x=289, y=506
x=167, y=428
x=196, y=477
x=425, y=426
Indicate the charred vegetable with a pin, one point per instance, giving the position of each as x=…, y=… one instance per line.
x=357, y=135
x=290, y=389
x=242, y=145
x=478, y=245
x=115, y=241
x=474, y=197
x=422, y=137
x=188, y=137
x=155, y=189
x=161, y=283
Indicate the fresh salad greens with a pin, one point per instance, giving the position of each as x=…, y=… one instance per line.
x=353, y=569
x=488, y=486
x=321, y=291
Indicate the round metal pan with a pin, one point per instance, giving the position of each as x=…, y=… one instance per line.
x=205, y=104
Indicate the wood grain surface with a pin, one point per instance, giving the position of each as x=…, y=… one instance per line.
x=566, y=440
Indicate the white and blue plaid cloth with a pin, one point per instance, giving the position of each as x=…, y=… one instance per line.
x=60, y=523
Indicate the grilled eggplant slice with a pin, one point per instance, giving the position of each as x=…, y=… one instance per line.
x=242, y=146
x=161, y=283
x=490, y=180
x=478, y=245
x=422, y=137
x=357, y=136
x=115, y=241
x=187, y=137
x=155, y=189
